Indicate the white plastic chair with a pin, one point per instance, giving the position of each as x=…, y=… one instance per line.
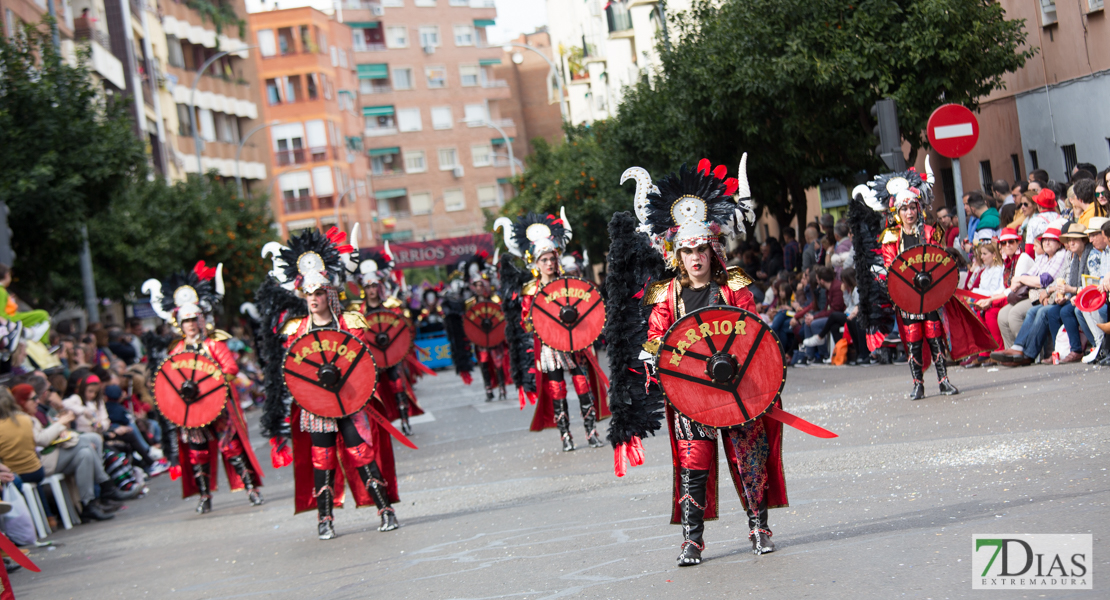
x=34, y=504
x=66, y=509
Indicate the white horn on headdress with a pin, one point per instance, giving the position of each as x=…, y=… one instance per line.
x=496, y=255
x=387, y=252
x=354, y=237
x=273, y=250
x=249, y=309
x=928, y=170
x=220, y=279
x=153, y=288
x=743, y=192
x=586, y=257
x=506, y=227
x=566, y=225
x=643, y=187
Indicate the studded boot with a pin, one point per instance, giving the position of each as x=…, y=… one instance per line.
x=403, y=408
x=200, y=474
x=239, y=463
x=758, y=532
x=376, y=485
x=325, y=498
x=589, y=416
x=936, y=348
x=692, y=506
x=487, y=381
x=562, y=421
x=915, y=362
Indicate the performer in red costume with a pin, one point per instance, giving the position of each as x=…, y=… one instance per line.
x=394, y=387
x=686, y=217
x=314, y=265
x=492, y=363
x=194, y=294
x=541, y=240
x=953, y=327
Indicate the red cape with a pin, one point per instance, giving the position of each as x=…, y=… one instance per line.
x=544, y=417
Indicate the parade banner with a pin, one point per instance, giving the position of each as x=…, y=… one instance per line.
x=447, y=251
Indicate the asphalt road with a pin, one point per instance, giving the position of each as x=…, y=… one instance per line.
x=491, y=510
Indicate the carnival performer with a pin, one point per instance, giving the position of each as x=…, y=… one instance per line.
x=314, y=265
x=951, y=329
x=687, y=217
x=394, y=387
x=194, y=294
x=541, y=240
x=493, y=363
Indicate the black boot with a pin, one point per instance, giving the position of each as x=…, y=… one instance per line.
x=487, y=382
x=692, y=507
x=375, y=484
x=562, y=421
x=200, y=473
x=936, y=348
x=239, y=463
x=758, y=531
x=325, y=497
x=592, y=436
x=915, y=362
x=502, y=395
x=403, y=408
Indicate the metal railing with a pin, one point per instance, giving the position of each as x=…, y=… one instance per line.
x=495, y=83
x=376, y=89
x=361, y=4
x=325, y=202
x=300, y=156
x=380, y=131
x=296, y=205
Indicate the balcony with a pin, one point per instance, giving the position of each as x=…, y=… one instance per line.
x=300, y=156
x=378, y=132
x=376, y=88
x=495, y=83
x=297, y=205
x=325, y=202
x=373, y=6
x=618, y=18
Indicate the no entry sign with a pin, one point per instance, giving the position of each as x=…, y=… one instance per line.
x=953, y=130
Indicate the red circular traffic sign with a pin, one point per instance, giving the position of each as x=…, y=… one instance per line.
x=953, y=130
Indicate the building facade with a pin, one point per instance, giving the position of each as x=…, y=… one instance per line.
x=435, y=130
x=313, y=121
x=534, y=91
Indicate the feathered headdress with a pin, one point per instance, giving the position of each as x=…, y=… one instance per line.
x=891, y=191
x=376, y=267
x=312, y=260
x=691, y=208
x=194, y=293
x=479, y=267
x=534, y=235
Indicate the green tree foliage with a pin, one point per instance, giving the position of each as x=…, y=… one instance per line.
x=64, y=154
x=791, y=82
x=582, y=175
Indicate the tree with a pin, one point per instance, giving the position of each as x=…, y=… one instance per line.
x=791, y=82
x=65, y=153
x=581, y=175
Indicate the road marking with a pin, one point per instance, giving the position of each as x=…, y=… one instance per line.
x=953, y=131
x=486, y=407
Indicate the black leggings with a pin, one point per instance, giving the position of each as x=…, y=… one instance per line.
x=326, y=439
x=835, y=324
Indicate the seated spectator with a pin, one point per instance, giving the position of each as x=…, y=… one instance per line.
x=843, y=255
x=809, y=252
x=771, y=264
x=120, y=346
x=1102, y=194
x=1048, y=267
x=1038, y=223
x=1007, y=213
x=792, y=297
x=791, y=251
x=36, y=323
x=990, y=280
x=987, y=221
x=123, y=435
x=815, y=322
x=836, y=320
x=1098, y=269
x=88, y=406
x=951, y=226
x=1082, y=198
x=1002, y=196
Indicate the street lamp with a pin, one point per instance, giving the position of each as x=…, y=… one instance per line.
x=243, y=142
x=193, y=97
x=519, y=58
x=501, y=132
x=517, y=161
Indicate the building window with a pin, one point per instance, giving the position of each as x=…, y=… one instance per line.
x=1033, y=160
x=487, y=195
x=334, y=56
x=454, y=200
x=414, y=162
x=408, y=119
x=1070, y=159
x=296, y=190
x=448, y=159
x=426, y=3
x=459, y=3
x=402, y=78
x=184, y=124
x=397, y=36
x=429, y=36
x=313, y=88
x=374, y=86
x=986, y=178
x=207, y=125
x=393, y=3
x=343, y=58
x=476, y=114
x=380, y=125
x=273, y=92
x=177, y=57
x=436, y=76
x=483, y=154
x=285, y=44
x=1016, y=161
x=468, y=75
x=441, y=117
x=464, y=35
x=420, y=203
x=227, y=128
x=288, y=144
x=386, y=164
x=293, y=89
x=948, y=184
x=322, y=42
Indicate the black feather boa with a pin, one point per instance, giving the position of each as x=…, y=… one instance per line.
x=633, y=263
x=876, y=313
x=276, y=305
x=461, y=354
x=520, y=341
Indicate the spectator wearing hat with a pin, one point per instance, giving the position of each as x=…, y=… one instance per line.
x=1098, y=270
x=1028, y=336
x=1038, y=223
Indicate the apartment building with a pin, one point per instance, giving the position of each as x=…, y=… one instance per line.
x=315, y=124
x=605, y=45
x=535, y=92
x=435, y=130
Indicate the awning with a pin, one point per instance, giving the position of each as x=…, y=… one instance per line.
x=502, y=180
x=377, y=111
x=393, y=193
x=385, y=152
x=363, y=24
x=485, y=62
x=484, y=22
x=373, y=71
x=496, y=141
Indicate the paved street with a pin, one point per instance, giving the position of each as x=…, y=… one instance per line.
x=491, y=510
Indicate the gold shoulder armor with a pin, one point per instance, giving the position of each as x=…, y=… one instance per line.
x=470, y=301
x=531, y=287
x=220, y=335
x=391, y=302
x=495, y=298
x=354, y=320
x=738, y=279
x=656, y=292
x=290, y=327
x=890, y=235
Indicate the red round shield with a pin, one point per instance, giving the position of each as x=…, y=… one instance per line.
x=568, y=314
x=721, y=366
x=330, y=373
x=190, y=390
x=391, y=337
x=484, y=324
x=921, y=279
